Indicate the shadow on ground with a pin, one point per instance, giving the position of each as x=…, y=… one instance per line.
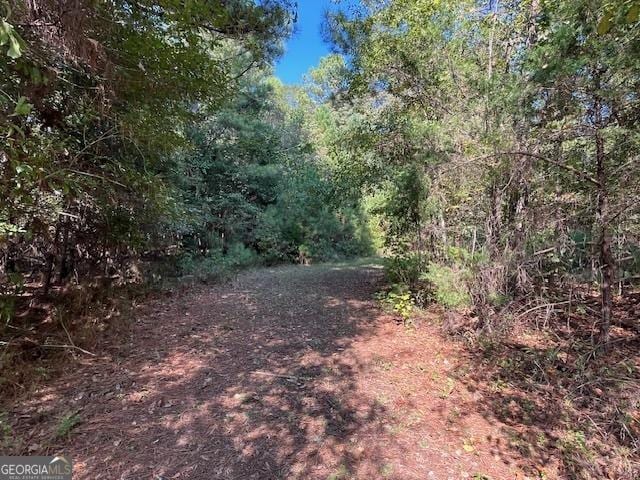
x=255, y=381
x=565, y=409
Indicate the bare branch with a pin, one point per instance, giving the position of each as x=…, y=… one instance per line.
x=568, y=168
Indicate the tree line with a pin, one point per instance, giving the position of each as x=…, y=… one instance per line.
x=147, y=139
x=490, y=150
x=492, y=146
x=498, y=142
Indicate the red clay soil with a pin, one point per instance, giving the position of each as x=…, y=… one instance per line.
x=287, y=373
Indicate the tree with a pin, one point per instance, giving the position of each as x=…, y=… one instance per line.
x=94, y=100
x=521, y=118
x=587, y=76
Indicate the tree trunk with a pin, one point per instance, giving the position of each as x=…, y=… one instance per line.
x=494, y=220
x=443, y=235
x=51, y=255
x=532, y=33
x=606, y=260
x=63, y=272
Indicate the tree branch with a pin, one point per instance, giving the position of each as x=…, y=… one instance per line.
x=568, y=168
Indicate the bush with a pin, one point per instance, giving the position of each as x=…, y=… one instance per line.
x=405, y=269
x=238, y=255
x=399, y=300
x=448, y=285
x=203, y=267
x=462, y=256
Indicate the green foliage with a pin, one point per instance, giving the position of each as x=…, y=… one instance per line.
x=239, y=255
x=162, y=139
x=94, y=114
x=10, y=38
x=209, y=267
x=492, y=140
x=7, y=308
x=245, y=181
x=617, y=13
x=462, y=256
x=215, y=265
x=405, y=269
x=481, y=476
x=491, y=150
x=67, y=423
x=449, y=285
x=340, y=474
x=386, y=470
x=6, y=432
x=328, y=79
x=399, y=300
x=575, y=452
x=403, y=207
x=402, y=304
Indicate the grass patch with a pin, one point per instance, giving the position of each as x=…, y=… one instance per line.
x=449, y=285
x=386, y=470
x=341, y=473
x=6, y=432
x=67, y=423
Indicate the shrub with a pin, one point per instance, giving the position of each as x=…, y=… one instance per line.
x=238, y=255
x=448, y=285
x=399, y=300
x=462, y=256
x=203, y=267
x=405, y=269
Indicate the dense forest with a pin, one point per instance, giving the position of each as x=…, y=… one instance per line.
x=489, y=150
x=151, y=132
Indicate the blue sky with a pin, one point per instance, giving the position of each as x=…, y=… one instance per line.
x=305, y=47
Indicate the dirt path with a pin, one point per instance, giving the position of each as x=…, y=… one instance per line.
x=287, y=373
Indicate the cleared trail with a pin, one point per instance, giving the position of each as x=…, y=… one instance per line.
x=285, y=373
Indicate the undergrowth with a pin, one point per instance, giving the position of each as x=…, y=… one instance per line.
x=562, y=401
x=398, y=299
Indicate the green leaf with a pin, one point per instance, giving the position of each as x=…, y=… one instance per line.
x=15, y=128
x=633, y=13
x=605, y=23
x=36, y=76
x=23, y=108
x=9, y=35
x=14, y=47
x=5, y=30
x=23, y=167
